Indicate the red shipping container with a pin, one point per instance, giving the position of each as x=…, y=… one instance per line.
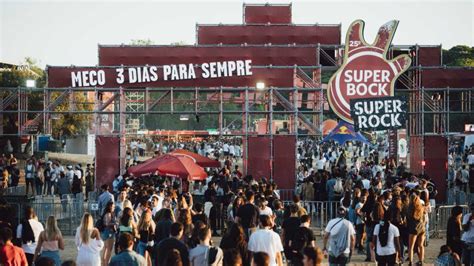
x=264, y=34
x=267, y=13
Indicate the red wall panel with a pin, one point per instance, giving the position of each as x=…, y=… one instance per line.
x=416, y=154
x=284, y=161
x=60, y=77
x=263, y=34
x=164, y=55
x=259, y=157
x=429, y=56
x=107, y=160
x=436, y=158
x=267, y=13
x=443, y=78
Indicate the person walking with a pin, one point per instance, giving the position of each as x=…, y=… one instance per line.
x=108, y=233
x=340, y=234
x=105, y=197
x=173, y=242
x=30, y=175
x=247, y=214
x=386, y=242
x=39, y=180
x=302, y=238
x=28, y=233
x=127, y=255
x=88, y=242
x=416, y=228
x=204, y=253
x=454, y=230
x=50, y=242
x=146, y=229
x=235, y=239
x=10, y=255
x=266, y=240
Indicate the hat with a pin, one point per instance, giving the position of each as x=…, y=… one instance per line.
x=69, y=167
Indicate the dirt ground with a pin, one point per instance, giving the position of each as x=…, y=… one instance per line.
x=432, y=250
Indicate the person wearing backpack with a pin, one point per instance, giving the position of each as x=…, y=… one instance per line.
x=204, y=253
x=340, y=234
x=302, y=238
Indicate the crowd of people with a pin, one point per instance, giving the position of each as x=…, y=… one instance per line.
x=378, y=208
x=47, y=177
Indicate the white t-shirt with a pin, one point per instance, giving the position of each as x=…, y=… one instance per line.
x=332, y=228
x=468, y=236
x=37, y=228
x=265, y=240
x=231, y=150
x=366, y=183
x=320, y=163
x=226, y=147
x=389, y=249
x=267, y=211
x=470, y=159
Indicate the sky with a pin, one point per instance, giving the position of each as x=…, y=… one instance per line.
x=68, y=32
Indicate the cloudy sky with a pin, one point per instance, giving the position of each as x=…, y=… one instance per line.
x=67, y=32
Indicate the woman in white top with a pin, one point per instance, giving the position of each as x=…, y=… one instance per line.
x=88, y=242
x=386, y=237
x=263, y=208
x=50, y=242
x=28, y=232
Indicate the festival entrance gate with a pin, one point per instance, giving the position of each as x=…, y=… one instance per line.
x=292, y=61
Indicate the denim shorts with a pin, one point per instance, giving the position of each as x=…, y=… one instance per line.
x=107, y=234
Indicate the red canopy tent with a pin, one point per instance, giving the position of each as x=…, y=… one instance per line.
x=173, y=165
x=198, y=159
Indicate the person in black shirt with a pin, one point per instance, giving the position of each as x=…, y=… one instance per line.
x=247, y=214
x=453, y=235
x=302, y=238
x=167, y=245
x=163, y=226
x=235, y=239
x=199, y=214
x=210, y=192
x=289, y=227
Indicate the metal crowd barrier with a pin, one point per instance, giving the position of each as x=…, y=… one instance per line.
x=15, y=191
x=321, y=212
x=440, y=217
x=67, y=211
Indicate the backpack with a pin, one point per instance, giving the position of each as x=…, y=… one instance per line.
x=299, y=241
x=338, y=187
x=211, y=256
x=99, y=224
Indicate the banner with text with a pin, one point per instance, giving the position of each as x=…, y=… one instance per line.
x=379, y=113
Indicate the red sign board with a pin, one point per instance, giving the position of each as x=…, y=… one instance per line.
x=365, y=73
x=110, y=77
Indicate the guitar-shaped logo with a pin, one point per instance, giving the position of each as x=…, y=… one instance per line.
x=365, y=72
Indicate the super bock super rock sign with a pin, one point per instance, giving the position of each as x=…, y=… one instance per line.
x=365, y=72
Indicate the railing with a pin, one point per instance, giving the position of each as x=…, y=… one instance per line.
x=68, y=211
x=15, y=191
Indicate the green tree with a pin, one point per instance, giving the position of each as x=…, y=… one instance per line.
x=459, y=55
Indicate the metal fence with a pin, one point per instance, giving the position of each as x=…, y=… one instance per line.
x=15, y=191
x=68, y=211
